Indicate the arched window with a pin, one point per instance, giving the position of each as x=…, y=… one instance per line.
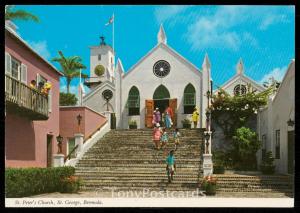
x=161, y=92
x=240, y=90
x=133, y=102
x=189, y=99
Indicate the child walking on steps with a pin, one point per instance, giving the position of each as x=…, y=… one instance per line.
x=171, y=166
x=164, y=138
x=176, y=135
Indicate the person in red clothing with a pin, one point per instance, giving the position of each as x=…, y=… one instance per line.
x=156, y=135
x=170, y=112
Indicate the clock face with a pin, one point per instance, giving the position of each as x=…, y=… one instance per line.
x=161, y=68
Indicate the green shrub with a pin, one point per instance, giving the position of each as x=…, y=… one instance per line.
x=219, y=161
x=67, y=99
x=21, y=182
x=186, y=123
x=267, y=166
x=246, y=144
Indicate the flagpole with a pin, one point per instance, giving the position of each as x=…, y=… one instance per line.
x=113, y=35
x=80, y=95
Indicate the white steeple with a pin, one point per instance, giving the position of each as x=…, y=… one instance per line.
x=240, y=67
x=206, y=62
x=161, y=36
x=120, y=68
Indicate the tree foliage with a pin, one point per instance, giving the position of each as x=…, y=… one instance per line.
x=70, y=67
x=11, y=14
x=246, y=144
x=67, y=99
x=232, y=112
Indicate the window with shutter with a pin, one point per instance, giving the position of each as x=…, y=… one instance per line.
x=24, y=73
x=15, y=68
x=7, y=64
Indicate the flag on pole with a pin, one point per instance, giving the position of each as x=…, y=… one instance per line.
x=110, y=21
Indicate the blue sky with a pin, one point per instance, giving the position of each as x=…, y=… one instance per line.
x=263, y=36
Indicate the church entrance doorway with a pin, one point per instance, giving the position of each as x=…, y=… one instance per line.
x=161, y=100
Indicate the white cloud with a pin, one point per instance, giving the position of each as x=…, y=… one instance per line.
x=164, y=13
x=222, y=26
x=41, y=48
x=277, y=73
x=272, y=19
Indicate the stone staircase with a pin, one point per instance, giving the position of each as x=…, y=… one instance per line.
x=255, y=183
x=126, y=160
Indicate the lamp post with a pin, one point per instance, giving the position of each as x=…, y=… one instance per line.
x=290, y=122
x=206, y=137
x=79, y=117
x=59, y=139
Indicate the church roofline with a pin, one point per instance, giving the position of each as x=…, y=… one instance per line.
x=106, y=45
x=283, y=79
x=236, y=76
x=188, y=63
x=104, y=83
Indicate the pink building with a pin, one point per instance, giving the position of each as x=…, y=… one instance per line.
x=32, y=119
x=91, y=121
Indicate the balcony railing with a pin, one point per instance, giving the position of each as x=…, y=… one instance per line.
x=23, y=100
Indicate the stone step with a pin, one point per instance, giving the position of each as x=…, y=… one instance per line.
x=252, y=190
x=258, y=178
x=139, y=160
x=134, y=166
x=139, y=189
x=141, y=184
x=154, y=176
x=138, y=181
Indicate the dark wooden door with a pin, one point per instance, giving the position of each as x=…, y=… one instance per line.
x=49, y=150
x=291, y=151
x=173, y=105
x=149, y=108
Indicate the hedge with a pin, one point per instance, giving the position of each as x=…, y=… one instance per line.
x=21, y=182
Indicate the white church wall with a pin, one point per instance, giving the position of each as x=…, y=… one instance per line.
x=276, y=115
x=106, y=57
x=96, y=102
x=143, y=78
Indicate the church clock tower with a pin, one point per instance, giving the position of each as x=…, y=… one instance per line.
x=101, y=64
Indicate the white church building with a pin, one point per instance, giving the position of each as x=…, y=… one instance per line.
x=161, y=78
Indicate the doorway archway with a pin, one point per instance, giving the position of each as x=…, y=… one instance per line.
x=161, y=98
x=161, y=92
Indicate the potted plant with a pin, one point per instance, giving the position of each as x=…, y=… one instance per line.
x=132, y=124
x=186, y=123
x=70, y=184
x=209, y=185
x=267, y=166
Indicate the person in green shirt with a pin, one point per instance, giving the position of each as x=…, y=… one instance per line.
x=171, y=165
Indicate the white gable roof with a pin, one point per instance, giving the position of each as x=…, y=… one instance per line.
x=243, y=77
x=171, y=51
x=97, y=88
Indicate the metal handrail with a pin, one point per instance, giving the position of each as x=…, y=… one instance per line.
x=69, y=155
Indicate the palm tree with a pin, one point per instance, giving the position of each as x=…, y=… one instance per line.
x=18, y=14
x=70, y=67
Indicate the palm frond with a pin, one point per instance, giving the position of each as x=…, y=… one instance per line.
x=21, y=15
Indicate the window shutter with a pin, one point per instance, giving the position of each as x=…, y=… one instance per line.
x=7, y=64
x=19, y=72
x=24, y=73
x=50, y=100
x=38, y=78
